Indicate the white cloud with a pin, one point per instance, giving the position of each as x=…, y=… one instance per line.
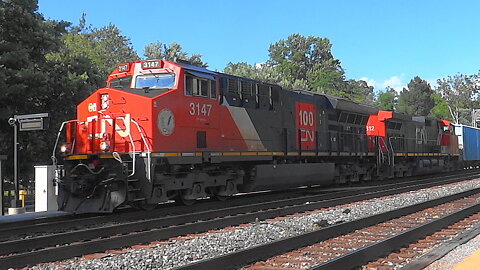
x=395, y=82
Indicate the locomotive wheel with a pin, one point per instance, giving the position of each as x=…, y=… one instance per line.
x=147, y=207
x=143, y=205
x=221, y=198
x=180, y=199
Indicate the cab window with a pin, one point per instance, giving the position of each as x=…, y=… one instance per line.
x=200, y=87
x=213, y=89
x=155, y=81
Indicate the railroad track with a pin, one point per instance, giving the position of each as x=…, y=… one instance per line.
x=36, y=249
x=45, y=225
x=358, y=243
x=11, y=230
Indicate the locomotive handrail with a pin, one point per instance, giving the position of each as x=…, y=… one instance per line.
x=388, y=150
x=149, y=157
x=133, y=146
x=53, y=157
x=393, y=151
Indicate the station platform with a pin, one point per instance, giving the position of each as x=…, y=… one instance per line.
x=469, y=263
x=31, y=216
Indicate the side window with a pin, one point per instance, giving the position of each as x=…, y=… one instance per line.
x=188, y=85
x=213, y=89
x=200, y=87
x=196, y=87
x=204, y=88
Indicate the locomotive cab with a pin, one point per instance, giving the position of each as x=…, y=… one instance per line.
x=148, y=110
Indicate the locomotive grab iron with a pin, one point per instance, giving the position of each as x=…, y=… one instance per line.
x=161, y=130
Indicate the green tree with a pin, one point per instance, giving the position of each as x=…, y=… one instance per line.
x=111, y=47
x=304, y=63
x=460, y=93
x=307, y=61
x=172, y=52
x=243, y=69
x=104, y=47
x=26, y=77
x=261, y=72
x=359, y=91
x=440, y=110
x=416, y=99
x=387, y=99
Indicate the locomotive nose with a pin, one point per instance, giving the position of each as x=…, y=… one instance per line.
x=93, y=186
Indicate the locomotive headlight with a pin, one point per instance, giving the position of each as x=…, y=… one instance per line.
x=63, y=148
x=104, y=101
x=104, y=146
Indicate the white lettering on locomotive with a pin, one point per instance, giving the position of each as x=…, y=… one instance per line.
x=306, y=125
x=92, y=107
x=200, y=109
x=307, y=135
x=123, y=132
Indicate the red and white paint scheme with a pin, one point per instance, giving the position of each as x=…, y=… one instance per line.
x=376, y=128
x=305, y=123
x=112, y=120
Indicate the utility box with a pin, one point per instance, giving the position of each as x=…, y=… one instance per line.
x=46, y=190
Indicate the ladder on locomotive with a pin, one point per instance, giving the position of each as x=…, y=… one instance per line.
x=385, y=153
x=134, y=190
x=130, y=165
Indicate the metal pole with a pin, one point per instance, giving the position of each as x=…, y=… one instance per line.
x=1, y=188
x=15, y=164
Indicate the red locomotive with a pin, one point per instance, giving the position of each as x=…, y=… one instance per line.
x=161, y=130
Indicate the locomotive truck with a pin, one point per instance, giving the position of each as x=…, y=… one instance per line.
x=163, y=131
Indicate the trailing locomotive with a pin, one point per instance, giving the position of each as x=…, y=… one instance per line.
x=161, y=130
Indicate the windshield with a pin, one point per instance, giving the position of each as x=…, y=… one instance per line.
x=155, y=81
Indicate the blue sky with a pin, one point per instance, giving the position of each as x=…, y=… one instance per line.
x=383, y=42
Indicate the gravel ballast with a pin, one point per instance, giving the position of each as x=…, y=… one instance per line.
x=183, y=250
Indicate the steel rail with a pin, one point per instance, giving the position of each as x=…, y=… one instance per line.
x=261, y=252
x=61, y=223
x=244, y=214
x=170, y=228
x=371, y=252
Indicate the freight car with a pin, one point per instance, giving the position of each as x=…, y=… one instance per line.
x=468, y=144
x=161, y=130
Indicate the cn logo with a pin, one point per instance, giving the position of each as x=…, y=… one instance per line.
x=122, y=125
x=305, y=123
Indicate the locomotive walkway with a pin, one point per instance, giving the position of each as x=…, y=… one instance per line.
x=51, y=247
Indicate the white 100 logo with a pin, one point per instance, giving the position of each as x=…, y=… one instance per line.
x=200, y=109
x=306, y=118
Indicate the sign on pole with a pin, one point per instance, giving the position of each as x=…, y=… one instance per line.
x=26, y=122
